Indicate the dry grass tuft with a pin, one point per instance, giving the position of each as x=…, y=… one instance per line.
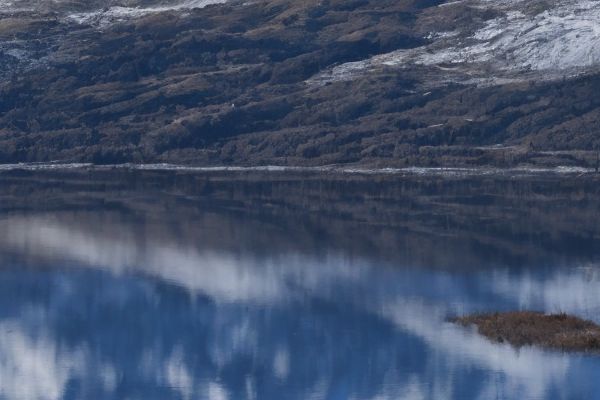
x=526, y=328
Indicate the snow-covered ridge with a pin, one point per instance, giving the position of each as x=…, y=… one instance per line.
x=14, y=6
x=102, y=12
x=119, y=13
x=558, y=38
x=565, y=35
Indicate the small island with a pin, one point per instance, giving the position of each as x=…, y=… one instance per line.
x=526, y=328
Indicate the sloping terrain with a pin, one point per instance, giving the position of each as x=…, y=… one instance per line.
x=371, y=82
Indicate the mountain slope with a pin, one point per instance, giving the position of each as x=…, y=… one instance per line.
x=373, y=82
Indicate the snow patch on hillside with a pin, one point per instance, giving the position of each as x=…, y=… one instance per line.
x=562, y=39
x=119, y=13
x=564, y=36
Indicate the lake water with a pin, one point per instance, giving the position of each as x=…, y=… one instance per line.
x=277, y=285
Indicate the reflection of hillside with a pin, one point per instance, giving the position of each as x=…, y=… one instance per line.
x=167, y=286
x=431, y=222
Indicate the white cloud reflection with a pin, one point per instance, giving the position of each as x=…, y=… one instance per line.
x=31, y=368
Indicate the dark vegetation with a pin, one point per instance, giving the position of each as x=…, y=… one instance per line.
x=526, y=328
x=227, y=84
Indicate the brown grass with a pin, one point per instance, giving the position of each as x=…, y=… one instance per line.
x=526, y=328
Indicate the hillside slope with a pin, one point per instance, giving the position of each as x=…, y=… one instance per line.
x=371, y=82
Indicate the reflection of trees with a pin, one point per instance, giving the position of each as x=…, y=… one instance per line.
x=424, y=221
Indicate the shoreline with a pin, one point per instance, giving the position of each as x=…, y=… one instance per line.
x=524, y=171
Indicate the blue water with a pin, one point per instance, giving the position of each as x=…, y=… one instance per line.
x=99, y=304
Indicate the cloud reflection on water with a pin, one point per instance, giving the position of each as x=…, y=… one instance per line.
x=248, y=302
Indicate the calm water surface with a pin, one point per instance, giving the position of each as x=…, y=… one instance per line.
x=174, y=286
